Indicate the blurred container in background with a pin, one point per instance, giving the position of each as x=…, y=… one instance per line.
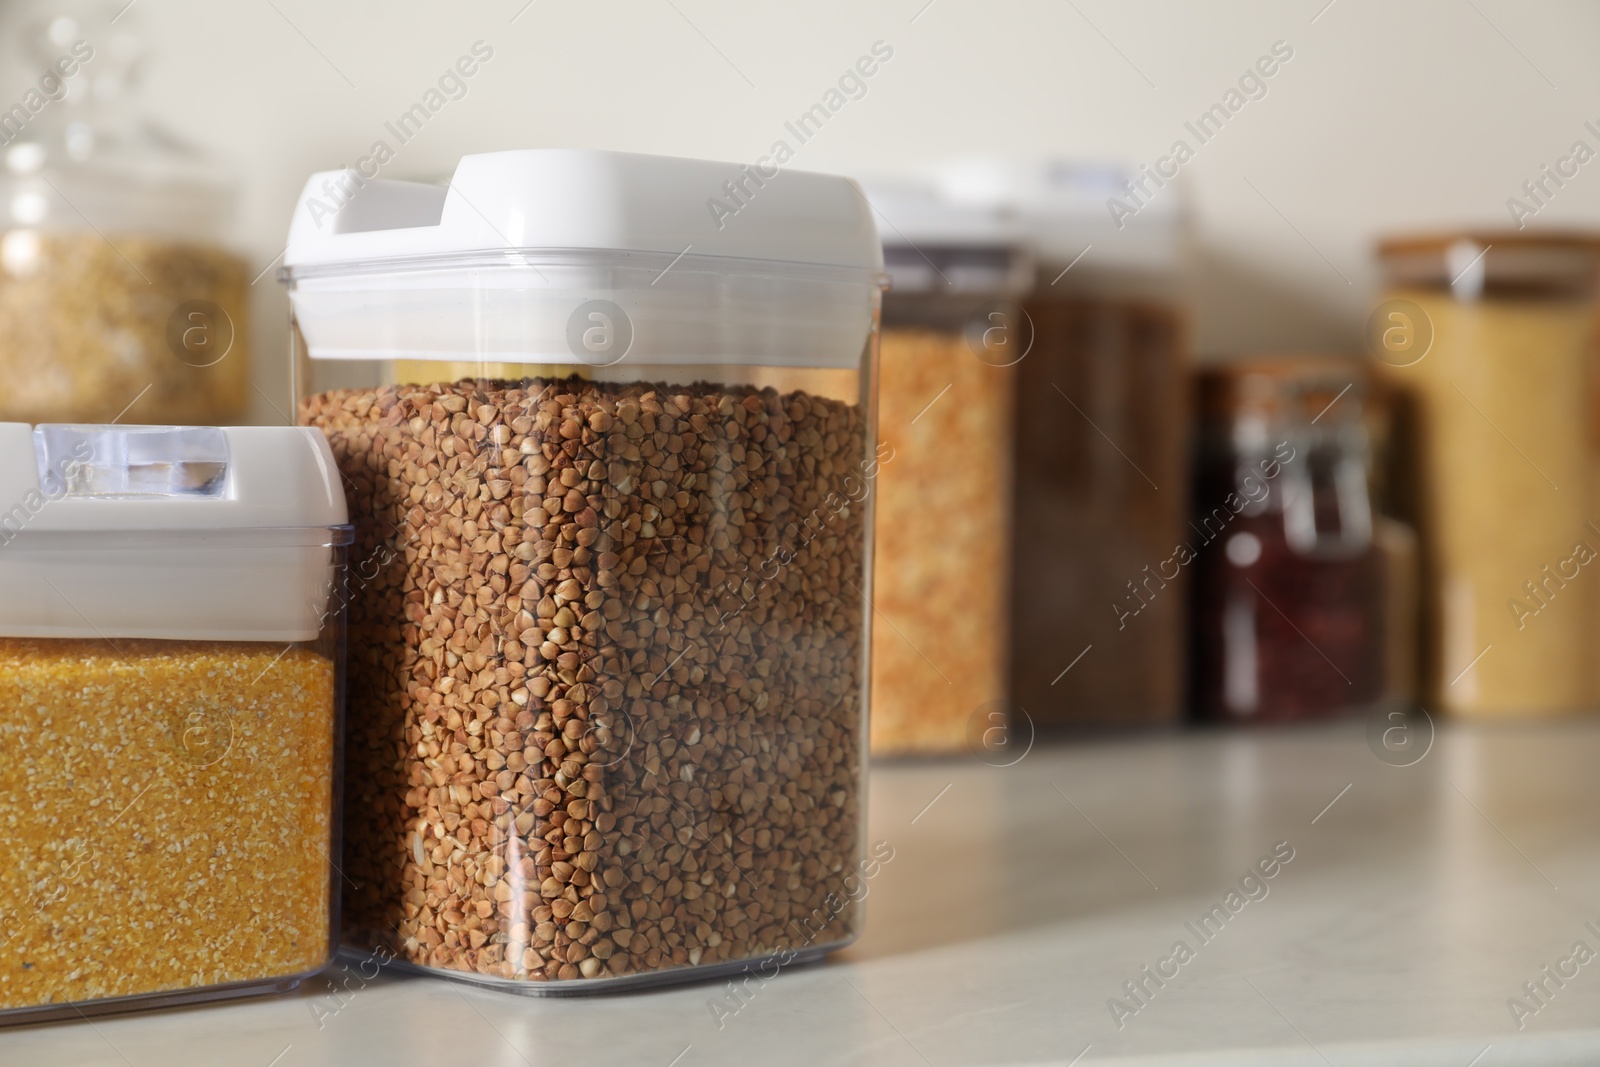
x=1101, y=444
x=117, y=297
x=1490, y=339
x=942, y=546
x=1063, y=437
x=1298, y=579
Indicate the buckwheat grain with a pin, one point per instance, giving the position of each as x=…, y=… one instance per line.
x=606, y=672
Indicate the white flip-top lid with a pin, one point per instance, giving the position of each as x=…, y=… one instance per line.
x=198, y=533
x=707, y=262
x=933, y=245
x=559, y=198
x=1057, y=208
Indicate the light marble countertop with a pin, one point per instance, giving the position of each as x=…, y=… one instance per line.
x=1020, y=899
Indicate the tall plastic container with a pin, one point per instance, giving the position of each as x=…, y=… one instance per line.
x=171, y=650
x=120, y=299
x=612, y=459
x=1032, y=505
x=1102, y=451
x=1100, y=446
x=953, y=334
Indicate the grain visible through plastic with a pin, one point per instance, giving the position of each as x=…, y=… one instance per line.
x=167, y=810
x=942, y=656
x=606, y=673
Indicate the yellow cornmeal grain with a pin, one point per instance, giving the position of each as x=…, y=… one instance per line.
x=165, y=809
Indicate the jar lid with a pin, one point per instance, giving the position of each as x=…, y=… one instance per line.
x=1507, y=262
x=1286, y=389
x=182, y=532
x=688, y=260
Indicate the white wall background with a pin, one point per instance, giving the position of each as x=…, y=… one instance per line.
x=1392, y=115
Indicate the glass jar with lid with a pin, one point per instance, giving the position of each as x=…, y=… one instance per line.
x=171, y=672
x=611, y=461
x=1289, y=596
x=119, y=300
x=1491, y=338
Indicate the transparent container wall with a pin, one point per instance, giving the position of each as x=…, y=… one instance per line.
x=118, y=295
x=1101, y=453
x=944, y=500
x=169, y=809
x=609, y=662
x=952, y=338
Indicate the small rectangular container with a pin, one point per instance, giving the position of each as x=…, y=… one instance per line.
x=607, y=424
x=171, y=644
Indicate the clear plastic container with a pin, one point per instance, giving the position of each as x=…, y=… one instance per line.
x=1099, y=445
x=119, y=300
x=1103, y=417
x=611, y=462
x=171, y=649
x=1041, y=487
x=952, y=337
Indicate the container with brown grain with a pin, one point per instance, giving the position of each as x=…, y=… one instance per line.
x=613, y=491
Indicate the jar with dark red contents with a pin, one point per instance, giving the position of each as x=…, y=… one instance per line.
x=1290, y=602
